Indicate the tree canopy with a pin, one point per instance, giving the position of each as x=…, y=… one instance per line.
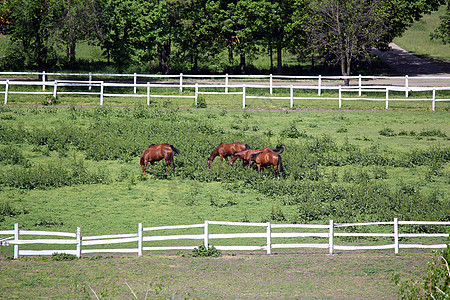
x=179, y=34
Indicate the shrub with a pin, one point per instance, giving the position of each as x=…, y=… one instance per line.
x=435, y=284
x=63, y=256
x=292, y=132
x=201, y=103
x=387, y=132
x=202, y=251
x=12, y=155
x=50, y=100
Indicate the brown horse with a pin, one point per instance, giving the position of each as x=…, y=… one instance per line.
x=226, y=149
x=264, y=159
x=247, y=154
x=156, y=153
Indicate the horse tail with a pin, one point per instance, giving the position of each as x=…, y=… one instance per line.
x=247, y=147
x=279, y=149
x=175, y=150
x=280, y=163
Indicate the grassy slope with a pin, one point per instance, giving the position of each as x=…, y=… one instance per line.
x=417, y=38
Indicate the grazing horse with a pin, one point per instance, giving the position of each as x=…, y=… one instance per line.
x=246, y=155
x=264, y=159
x=156, y=153
x=226, y=149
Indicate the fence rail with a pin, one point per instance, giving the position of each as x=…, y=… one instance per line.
x=183, y=82
x=269, y=232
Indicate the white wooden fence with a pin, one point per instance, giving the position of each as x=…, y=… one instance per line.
x=365, y=84
x=268, y=233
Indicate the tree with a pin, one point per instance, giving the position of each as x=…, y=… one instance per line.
x=78, y=21
x=346, y=30
x=32, y=24
x=443, y=30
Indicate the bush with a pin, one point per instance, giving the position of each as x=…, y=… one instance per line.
x=202, y=251
x=434, y=285
x=63, y=256
x=201, y=103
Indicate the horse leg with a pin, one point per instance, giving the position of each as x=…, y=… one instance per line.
x=276, y=171
x=144, y=166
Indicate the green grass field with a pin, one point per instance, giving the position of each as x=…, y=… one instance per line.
x=417, y=38
x=64, y=167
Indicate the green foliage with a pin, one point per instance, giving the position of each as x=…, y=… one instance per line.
x=435, y=284
x=12, y=155
x=50, y=100
x=201, y=103
x=6, y=210
x=63, y=256
x=293, y=132
x=51, y=175
x=387, y=132
x=202, y=251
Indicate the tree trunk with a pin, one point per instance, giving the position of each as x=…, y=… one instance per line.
x=163, y=57
x=279, y=59
x=271, y=56
x=242, y=63
x=71, y=47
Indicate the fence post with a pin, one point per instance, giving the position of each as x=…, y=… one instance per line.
x=359, y=84
x=406, y=86
x=55, y=88
x=433, y=103
x=181, y=83
x=292, y=96
x=396, y=236
x=243, y=96
x=78, y=242
x=101, y=93
x=330, y=238
x=16, y=240
x=148, y=93
x=269, y=237
x=90, y=80
x=271, y=84
x=340, y=96
x=196, y=93
x=6, y=91
x=43, y=80
x=226, y=83
x=387, y=98
x=206, y=239
x=135, y=82
x=319, y=85
x=140, y=239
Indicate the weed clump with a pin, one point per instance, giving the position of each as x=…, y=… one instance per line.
x=202, y=251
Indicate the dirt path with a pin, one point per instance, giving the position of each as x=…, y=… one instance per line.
x=406, y=63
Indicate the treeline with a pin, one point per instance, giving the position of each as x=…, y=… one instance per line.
x=184, y=34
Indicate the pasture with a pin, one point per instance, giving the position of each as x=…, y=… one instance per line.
x=63, y=167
